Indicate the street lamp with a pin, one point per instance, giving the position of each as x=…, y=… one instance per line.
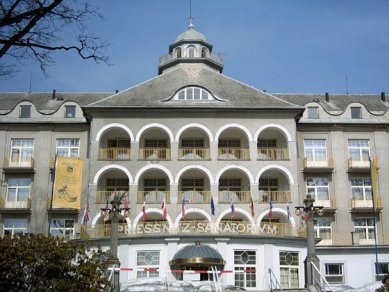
x=114, y=216
x=308, y=210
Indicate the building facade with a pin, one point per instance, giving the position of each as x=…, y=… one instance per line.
x=211, y=170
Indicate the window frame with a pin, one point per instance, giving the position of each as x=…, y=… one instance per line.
x=366, y=189
x=188, y=93
x=356, y=151
x=329, y=276
x=249, y=279
x=366, y=229
x=146, y=268
x=313, y=189
x=69, y=147
x=11, y=230
x=70, y=111
x=356, y=112
x=21, y=152
x=289, y=267
x=65, y=228
x=320, y=229
x=316, y=149
x=17, y=188
x=313, y=112
x=25, y=111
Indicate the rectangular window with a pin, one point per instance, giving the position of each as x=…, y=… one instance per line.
x=68, y=147
x=229, y=143
x=70, y=111
x=13, y=226
x=147, y=264
x=315, y=149
x=117, y=184
x=382, y=269
x=21, y=151
x=364, y=227
x=154, y=184
x=318, y=188
x=192, y=143
x=361, y=188
x=230, y=184
x=313, y=112
x=267, y=143
x=25, y=111
x=18, y=189
x=322, y=227
x=245, y=262
x=62, y=228
x=359, y=149
x=356, y=112
x=334, y=273
x=289, y=269
x=119, y=143
x=155, y=143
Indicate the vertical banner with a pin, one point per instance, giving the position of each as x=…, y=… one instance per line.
x=68, y=182
x=374, y=182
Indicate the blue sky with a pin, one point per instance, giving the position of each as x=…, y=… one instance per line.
x=300, y=46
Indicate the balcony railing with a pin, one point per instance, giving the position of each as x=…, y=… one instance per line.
x=169, y=58
x=363, y=238
x=226, y=197
x=154, y=154
x=318, y=163
x=233, y=154
x=359, y=163
x=114, y=153
x=326, y=203
x=366, y=203
x=153, y=197
x=25, y=204
x=272, y=153
x=276, y=196
x=194, y=153
x=195, y=197
x=103, y=196
x=27, y=162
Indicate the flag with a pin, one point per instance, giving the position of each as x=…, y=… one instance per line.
x=270, y=215
x=212, y=206
x=125, y=203
x=85, y=218
x=252, y=207
x=106, y=217
x=144, y=211
x=164, y=211
x=232, y=208
x=288, y=211
x=183, y=206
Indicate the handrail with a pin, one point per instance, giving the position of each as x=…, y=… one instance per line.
x=274, y=284
x=321, y=282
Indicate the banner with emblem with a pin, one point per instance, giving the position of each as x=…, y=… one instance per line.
x=67, y=183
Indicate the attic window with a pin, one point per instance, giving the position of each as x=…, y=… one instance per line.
x=25, y=111
x=70, y=111
x=193, y=93
x=313, y=112
x=356, y=113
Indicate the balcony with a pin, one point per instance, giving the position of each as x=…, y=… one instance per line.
x=276, y=196
x=195, y=197
x=24, y=165
x=226, y=197
x=328, y=204
x=102, y=197
x=272, y=153
x=154, y=154
x=326, y=165
x=358, y=165
x=366, y=205
x=153, y=197
x=114, y=153
x=15, y=206
x=194, y=154
x=233, y=154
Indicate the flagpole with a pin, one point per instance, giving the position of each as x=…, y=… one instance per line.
x=373, y=181
x=52, y=195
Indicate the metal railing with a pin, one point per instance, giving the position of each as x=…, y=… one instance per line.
x=114, y=153
x=226, y=197
x=276, y=196
x=19, y=162
x=272, y=153
x=319, y=280
x=169, y=58
x=153, y=197
x=273, y=282
x=195, y=197
x=24, y=204
x=194, y=154
x=233, y=154
x=154, y=154
x=102, y=197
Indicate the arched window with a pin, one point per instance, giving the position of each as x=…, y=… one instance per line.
x=178, y=52
x=193, y=93
x=203, y=52
x=191, y=50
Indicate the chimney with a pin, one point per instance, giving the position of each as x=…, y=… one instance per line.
x=383, y=97
x=327, y=96
x=116, y=91
x=53, y=95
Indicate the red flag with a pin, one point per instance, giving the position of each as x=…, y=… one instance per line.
x=125, y=203
x=164, y=211
x=144, y=211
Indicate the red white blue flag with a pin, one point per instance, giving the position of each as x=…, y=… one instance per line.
x=270, y=215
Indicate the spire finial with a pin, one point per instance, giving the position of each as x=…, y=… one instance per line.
x=191, y=25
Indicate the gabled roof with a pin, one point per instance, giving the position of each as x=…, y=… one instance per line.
x=159, y=91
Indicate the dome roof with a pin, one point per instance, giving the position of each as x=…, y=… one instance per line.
x=191, y=35
x=197, y=254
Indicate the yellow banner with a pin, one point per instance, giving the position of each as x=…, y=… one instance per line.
x=68, y=182
x=374, y=181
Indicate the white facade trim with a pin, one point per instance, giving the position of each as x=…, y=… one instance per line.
x=199, y=167
x=153, y=166
x=234, y=166
x=276, y=126
x=112, y=166
x=114, y=125
x=237, y=210
x=194, y=125
x=154, y=125
x=233, y=125
x=283, y=169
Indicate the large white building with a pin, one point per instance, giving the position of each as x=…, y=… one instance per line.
x=203, y=142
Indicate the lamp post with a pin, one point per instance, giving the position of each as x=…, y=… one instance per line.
x=114, y=215
x=308, y=210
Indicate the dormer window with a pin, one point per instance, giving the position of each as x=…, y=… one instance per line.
x=191, y=51
x=178, y=51
x=356, y=113
x=313, y=112
x=25, y=111
x=70, y=111
x=193, y=93
x=203, y=52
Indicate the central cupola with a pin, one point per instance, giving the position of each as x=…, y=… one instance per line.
x=190, y=47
